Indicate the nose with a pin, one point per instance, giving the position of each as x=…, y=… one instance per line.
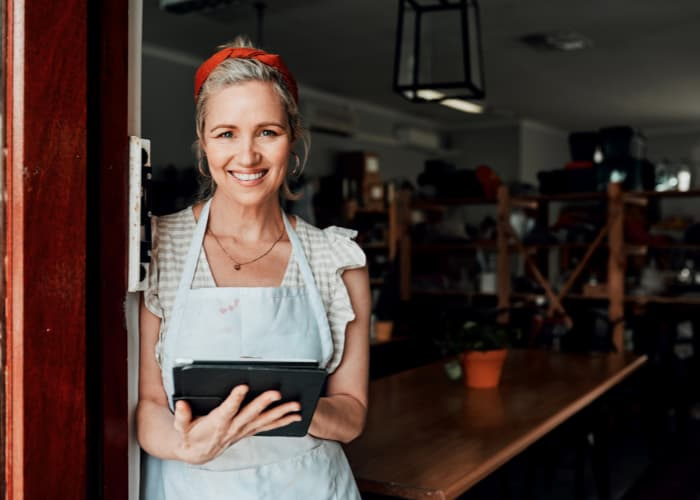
x=247, y=154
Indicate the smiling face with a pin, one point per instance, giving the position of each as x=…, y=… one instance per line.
x=247, y=142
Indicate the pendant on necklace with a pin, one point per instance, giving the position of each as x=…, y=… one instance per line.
x=237, y=267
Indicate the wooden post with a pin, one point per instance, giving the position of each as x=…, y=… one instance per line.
x=392, y=220
x=503, y=280
x=44, y=182
x=404, y=232
x=616, y=263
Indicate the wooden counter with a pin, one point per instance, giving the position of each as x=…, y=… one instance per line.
x=429, y=437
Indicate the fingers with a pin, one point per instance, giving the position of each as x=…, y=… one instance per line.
x=276, y=417
x=230, y=406
x=183, y=416
x=286, y=420
x=257, y=406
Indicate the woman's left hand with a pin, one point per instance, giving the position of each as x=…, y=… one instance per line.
x=205, y=438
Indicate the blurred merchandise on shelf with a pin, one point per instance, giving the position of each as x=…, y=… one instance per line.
x=579, y=223
x=517, y=188
x=521, y=222
x=622, y=142
x=357, y=197
x=489, y=180
x=673, y=175
x=613, y=154
x=441, y=179
x=361, y=180
x=583, y=146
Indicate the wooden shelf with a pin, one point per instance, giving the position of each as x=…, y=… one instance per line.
x=601, y=195
x=452, y=246
x=664, y=194
x=630, y=299
x=441, y=292
x=392, y=340
x=364, y=210
x=375, y=245
x=441, y=203
x=668, y=246
x=587, y=196
x=662, y=299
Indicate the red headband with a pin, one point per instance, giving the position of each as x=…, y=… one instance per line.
x=272, y=60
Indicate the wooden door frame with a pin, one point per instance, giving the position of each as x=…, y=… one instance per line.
x=65, y=178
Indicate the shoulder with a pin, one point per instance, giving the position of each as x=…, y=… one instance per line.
x=178, y=221
x=174, y=228
x=333, y=245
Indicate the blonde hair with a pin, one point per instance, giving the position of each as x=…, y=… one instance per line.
x=235, y=71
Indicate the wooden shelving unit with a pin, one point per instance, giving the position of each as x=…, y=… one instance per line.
x=609, y=239
x=387, y=216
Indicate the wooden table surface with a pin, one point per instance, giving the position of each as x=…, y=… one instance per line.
x=430, y=437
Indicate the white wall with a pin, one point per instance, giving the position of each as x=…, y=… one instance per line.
x=541, y=148
x=167, y=117
x=496, y=146
x=674, y=145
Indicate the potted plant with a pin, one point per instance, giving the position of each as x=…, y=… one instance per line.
x=482, y=349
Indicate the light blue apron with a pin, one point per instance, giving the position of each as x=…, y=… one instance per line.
x=226, y=323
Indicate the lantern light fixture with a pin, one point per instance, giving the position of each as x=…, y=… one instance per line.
x=438, y=53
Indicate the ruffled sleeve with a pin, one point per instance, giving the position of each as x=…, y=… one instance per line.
x=344, y=254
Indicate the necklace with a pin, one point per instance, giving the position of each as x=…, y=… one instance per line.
x=237, y=265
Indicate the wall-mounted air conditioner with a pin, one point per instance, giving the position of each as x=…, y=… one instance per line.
x=419, y=138
x=329, y=117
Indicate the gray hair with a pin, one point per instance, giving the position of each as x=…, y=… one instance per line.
x=236, y=71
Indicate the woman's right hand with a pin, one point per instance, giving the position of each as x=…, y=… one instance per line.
x=205, y=438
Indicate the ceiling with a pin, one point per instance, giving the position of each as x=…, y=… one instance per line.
x=643, y=69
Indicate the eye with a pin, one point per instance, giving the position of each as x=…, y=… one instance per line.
x=268, y=133
x=225, y=135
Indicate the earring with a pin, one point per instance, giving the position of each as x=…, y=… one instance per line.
x=297, y=167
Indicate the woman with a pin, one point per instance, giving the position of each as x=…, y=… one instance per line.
x=234, y=276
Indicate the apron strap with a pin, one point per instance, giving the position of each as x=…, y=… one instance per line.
x=312, y=290
x=191, y=261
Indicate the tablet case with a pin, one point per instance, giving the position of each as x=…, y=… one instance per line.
x=205, y=384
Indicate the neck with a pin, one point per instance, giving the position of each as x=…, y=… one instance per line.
x=245, y=223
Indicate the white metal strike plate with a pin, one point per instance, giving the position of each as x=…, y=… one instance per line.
x=139, y=213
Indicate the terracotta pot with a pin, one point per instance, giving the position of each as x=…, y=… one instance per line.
x=382, y=330
x=482, y=369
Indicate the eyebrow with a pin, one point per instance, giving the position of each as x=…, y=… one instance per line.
x=259, y=125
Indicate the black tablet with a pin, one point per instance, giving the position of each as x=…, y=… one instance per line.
x=205, y=384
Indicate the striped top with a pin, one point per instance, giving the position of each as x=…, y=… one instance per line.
x=329, y=252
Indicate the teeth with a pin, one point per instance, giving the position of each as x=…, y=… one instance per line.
x=248, y=177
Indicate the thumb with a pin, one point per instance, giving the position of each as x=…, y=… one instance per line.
x=183, y=416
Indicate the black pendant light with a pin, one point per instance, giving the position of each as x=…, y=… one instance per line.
x=438, y=51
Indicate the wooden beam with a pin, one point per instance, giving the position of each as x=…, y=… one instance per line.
x=582, y=263
x=404, y=230
x=503, y=276
x=616, y=264
x=108, y=226
x=45, y=124
x=543, y=282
